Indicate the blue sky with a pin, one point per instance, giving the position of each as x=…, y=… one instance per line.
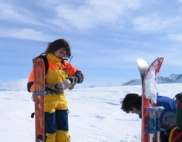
x=106, y=36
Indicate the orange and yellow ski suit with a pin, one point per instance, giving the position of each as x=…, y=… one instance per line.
x=55, y=105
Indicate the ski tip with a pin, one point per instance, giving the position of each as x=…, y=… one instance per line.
x=161, y=59
x=142, y=62
x=140, y=59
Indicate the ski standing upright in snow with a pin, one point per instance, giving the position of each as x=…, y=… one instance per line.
x=38, y=95
x=150, y=113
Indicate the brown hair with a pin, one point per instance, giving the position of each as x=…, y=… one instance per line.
x=56, y=45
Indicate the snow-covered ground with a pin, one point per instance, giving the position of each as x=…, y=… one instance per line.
x=95, y=114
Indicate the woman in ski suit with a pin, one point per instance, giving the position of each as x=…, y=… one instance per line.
x=55, y=103
x=133, y=102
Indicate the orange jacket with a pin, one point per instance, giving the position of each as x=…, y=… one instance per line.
x=58, y=71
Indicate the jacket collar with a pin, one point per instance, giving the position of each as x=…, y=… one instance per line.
x=53, y=58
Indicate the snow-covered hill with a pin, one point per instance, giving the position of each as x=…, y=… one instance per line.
x=173, y=78
x=95, y=114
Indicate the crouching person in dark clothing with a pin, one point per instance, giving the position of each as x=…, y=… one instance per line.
x=133, y=102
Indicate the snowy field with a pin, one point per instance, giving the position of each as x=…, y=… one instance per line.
x=95, y=114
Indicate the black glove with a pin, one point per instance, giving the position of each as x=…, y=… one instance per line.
x=80, y=76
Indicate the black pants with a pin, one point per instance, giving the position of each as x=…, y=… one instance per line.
x=164, y=138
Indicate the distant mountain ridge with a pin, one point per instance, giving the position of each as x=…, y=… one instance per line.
x=173, y=78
